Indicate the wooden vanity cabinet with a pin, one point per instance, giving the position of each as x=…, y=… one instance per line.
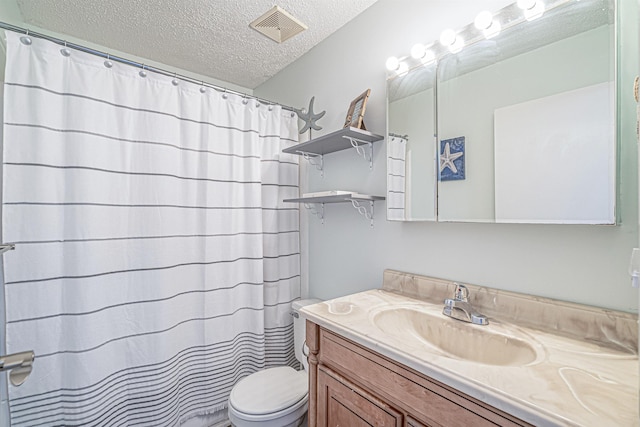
x=350, y=385
x=345, y=404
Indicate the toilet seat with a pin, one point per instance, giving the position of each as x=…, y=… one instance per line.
x=270, y=394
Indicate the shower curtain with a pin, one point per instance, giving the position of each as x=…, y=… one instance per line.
x=155, y=262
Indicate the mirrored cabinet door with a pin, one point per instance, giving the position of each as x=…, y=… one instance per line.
x=525, y=120
x=411, y=146
x=535, y=108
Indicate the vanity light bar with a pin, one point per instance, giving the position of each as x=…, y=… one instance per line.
x=485, y=26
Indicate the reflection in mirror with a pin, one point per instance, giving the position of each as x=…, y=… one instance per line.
x=535, y=106
x=411, y=152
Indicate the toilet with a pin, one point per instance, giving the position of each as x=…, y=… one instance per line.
x=275, y=397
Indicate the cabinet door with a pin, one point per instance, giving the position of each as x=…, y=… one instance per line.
x=341, y=404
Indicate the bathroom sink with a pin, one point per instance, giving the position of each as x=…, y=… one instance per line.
x=490, y=345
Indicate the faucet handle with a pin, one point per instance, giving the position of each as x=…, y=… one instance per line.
x=461, y=292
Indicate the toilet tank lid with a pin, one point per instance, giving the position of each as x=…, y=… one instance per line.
x=270, y=390
x=297, y=305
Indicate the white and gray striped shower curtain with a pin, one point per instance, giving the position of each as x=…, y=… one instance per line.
x=155, y=262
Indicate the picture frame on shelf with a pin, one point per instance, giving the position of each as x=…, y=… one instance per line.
x=355, y=114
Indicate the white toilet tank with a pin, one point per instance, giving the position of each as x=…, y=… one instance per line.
x=300, y=330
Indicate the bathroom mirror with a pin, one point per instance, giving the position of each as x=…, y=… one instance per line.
x=411, y=149
x=526, y=119
x=535, y=105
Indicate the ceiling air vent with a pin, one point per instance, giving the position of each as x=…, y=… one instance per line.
x=278, y=25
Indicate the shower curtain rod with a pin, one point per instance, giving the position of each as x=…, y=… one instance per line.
x=110, y=57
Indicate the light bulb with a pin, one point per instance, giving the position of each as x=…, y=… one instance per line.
x=526, y=4
x=484, y=20
x=392, y=63
x=418, y=50
x=493, y=30
x=485, y=23
x=447, y=37
x=428, y=57
x=534, y=12
x=457, y=45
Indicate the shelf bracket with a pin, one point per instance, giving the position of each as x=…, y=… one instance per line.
x=314, y=211
x=368, y=214
x=359, y=145
x=314, y=160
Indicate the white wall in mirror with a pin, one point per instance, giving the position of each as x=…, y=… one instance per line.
x=567, y=142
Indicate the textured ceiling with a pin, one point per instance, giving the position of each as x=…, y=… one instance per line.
x=208, y=37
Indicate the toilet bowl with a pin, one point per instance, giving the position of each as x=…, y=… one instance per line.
x=275, y=397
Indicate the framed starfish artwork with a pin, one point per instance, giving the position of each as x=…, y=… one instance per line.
x=355, y=115
x=452, y=159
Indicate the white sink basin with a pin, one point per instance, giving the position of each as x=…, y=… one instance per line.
x=491, y=345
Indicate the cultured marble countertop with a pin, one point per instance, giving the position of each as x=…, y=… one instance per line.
x=570, y=382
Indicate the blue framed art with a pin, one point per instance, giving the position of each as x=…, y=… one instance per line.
x=452, y=159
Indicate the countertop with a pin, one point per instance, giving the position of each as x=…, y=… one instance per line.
x=571, y=382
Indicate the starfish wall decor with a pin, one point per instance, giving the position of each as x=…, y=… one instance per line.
x=452, y=159
x=309, y=117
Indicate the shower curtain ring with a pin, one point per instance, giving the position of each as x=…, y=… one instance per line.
x=142, y=72
x=107, y=62
x=175, y=80
x=224, y=94
x=202, y=88
x=245, y=99
x=26, y=40
x=64, y=51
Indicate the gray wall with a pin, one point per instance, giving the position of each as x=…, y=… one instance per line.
x=585, y=264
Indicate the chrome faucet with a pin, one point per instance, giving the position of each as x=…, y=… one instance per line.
x=459, y=307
